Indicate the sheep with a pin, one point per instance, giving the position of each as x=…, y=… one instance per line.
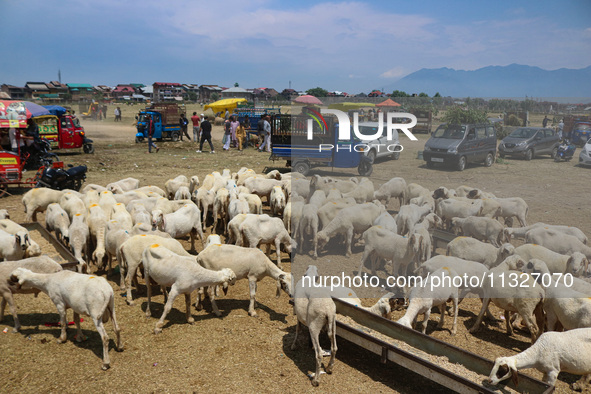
x=575, y=264
x=129, y=256
x=120, y=214
x=423, y=199
x=444, y=193
x=477, y=193
x=115, y=235
x=333, y=195
x=263, y=229
x=213, y=239
x=127, y=197
x=514, y=206
x=220, y=209
x=36, y=200
x=384, y=244
x=97, y=225
x=73, y=205
x=193, y=183
x=234, y=234
x=126, y=184
x=139, y=214
x=363, y=193
x=4, y=214
x=85, y=294
x=255, y=205
x=328, y=211
x=237, y=206
x=262, y=187
x=386, y=221
x=414, y=190
x=557, y=241
x=29, y=246
x=395, y=187
x=381, y=308
x=172, y=185
x=205, y=200
x=481, y=228
x=424, y=228
x=246, y=263
x=182, y=274
x=409, y=216
x=318, y=198
x=319, y=183
x=10, y=247
x=451, y=208
x=301, y=187
x=106, y=203
x=297, y=210
x=309, y=225
x=186, y=220
x=348, y=221
x=429, y=294
x=553, y=352
x=277, y=201
x=462, y=191
x=41, y=264
x=315, y=309
x=79, y=239
x=151, y=190
x=91, y=186
x=527, y=299
x=58, y=221
x=471, y=249
x=519, y=232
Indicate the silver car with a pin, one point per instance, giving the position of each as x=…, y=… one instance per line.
x=380, y=147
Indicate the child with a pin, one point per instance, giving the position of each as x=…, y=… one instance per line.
x=240, y=135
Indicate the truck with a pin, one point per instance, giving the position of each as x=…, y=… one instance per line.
x=166, y=118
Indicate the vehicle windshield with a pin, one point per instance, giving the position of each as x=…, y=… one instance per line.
x=583, y=127
x=142, y=118
x=523, y=132
x=76, y=122
x=368, y=131
x=454, y=132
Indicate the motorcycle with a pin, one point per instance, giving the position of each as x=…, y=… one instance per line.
x=565, y=152
x=39, y=155
x=55, y=177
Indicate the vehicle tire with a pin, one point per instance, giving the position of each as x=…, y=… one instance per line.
x=461, y=163
x=3, y=186
x=529, y=154
x=139, y=139
x=430, y=164
x=554, y=153
x=396, y=155
x=175, y=136
x=490, y=159
x=365, y=168
x=302, y=167
x=88, y=148
x=502, y=155
x=372, y=156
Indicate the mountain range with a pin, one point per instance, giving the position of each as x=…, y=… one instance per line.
x=514, y=80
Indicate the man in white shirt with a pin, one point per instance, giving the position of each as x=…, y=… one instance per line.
x=266, y=135
x=13, y=140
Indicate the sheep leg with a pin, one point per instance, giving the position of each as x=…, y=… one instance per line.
x=277, y=251
x=507, y=315
x=332, y=334
x=8, y=298
x=349, y=240
x=192, y=235
x=2, y=306
x=167, y=307
x=366, y=253
x=128, y=279
x=116, y=328
x=532, y=326
x=426, y=320
x=315, y=240
x=149, y=291
x=98, y=322
x=315, y=326
x=442, y=315
x=61, y=309
x=455, y=323
x=252, y=284
x=476, y=325
x=581, y=383
x=79, y=336
x=214, y=306
x=295, y=338
x=198, y=303
x=190, y=318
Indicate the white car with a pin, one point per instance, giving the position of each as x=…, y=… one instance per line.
x=585, y=155
x=381, y=147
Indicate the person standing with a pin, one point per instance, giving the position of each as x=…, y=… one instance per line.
x=150, y=127
x=227, y=114
x=240, y=135
x=545, y=121
x=196, y=120
x=184, y=122
x=233, y=126
x=15, y=141
x=261, y=130
x=560, y=128
x=227, y=133
x=266, y=135
x=205, y=135
x=117, y=114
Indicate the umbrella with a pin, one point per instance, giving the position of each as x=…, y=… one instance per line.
x=16, y=113
x=388, y=103
x=222, y=105
x=308, y=99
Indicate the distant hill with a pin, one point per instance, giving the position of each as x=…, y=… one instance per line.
x=514, y=80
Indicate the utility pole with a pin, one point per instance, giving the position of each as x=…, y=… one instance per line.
x=59, y=75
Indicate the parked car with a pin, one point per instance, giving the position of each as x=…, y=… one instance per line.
x=458, y=145
x=528, y=142
x=380, y=147
x=580, y=133
x=585, y=155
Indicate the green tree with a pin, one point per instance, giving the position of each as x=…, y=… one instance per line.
x=236, y=84
x=458, y=115
x=423, y=94
x=437, y=95
x=399, y=93
x=317, y=92
x=192, y=96
x=215, y=97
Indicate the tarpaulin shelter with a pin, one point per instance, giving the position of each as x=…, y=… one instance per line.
x=56, y=110
x=388, y=103
x=222, y=105
x=16, y=113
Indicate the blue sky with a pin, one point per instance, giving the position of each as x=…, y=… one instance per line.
x=338, y=45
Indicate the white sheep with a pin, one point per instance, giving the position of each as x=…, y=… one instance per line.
x=251, y=264
x=381, y=308
x=193, y=183
x=73, y=205
x=277, y=201
x=408, y=216
x=437, y=290
x=387, y=221
x=309, y=226
x=452, y=208
x=220, y=209
x=519, y=232
x=474, y=250
x=115, y=235
x=28, y=244
x=127, y=197
x=4, y=214
x=395, y=187
x=36, y=200
x=86, y=294
x=120, y=214
x=234, y=234
x=329, y=211
x=92, y=186
x=301, y=187
x=575, y=264
x=414, y=190
x=553, y=352
x=172, y=185
x=513, y=206
x=351, y=220
x=262, y=187
x=557, y=241
x=106, y=202
x=318, y=198
x=182, y=193
x=315, y=309
x=205, y=200
x=423, y=199
x=263, y=229
x=186, y=220
x=97, y=225
x=424, y=228
x=237, y=206
x=42, y=264
x=255, y=205
x=182, y=274
x=293, y=225
x=58, y=221
x=326, y=184
x=481, y=228
x=363, y=193
x=125, y=184
x=79, y=239
x=10, y=247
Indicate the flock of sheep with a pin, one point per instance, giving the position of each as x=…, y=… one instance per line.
x=139, y=227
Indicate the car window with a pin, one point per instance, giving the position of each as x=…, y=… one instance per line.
x=480, y=133
x=490, y=131
x=549, y=133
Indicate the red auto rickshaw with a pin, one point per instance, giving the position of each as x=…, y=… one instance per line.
x=63, y=130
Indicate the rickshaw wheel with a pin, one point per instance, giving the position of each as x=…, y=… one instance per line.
x=365, y=168
x=3, y=186
x=88, y=148
x=302, y=167
x=139, y=139
x=174, y=136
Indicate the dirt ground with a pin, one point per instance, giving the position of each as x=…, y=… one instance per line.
x=236, y=352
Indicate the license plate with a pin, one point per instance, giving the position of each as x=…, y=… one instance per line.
x=437, y=159
x=508, y=150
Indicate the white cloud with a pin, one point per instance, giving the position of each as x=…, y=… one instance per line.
x=395, y=72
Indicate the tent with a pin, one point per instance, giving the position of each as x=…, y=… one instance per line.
x=222, y=105
x=308, y=99
x=388, y=103
x=16, y=113
x=349, y=106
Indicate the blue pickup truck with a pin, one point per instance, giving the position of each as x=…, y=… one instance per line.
x=166, y=118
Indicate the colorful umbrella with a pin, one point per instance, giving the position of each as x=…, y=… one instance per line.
x=388, y=103
x=16, y=113
x=308, y=99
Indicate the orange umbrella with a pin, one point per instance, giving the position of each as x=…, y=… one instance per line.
x=388, y=103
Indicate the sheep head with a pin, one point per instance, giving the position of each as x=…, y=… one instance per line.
x=18, y=277
x=284, y=283
x=504, y=368
x=229, y=278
